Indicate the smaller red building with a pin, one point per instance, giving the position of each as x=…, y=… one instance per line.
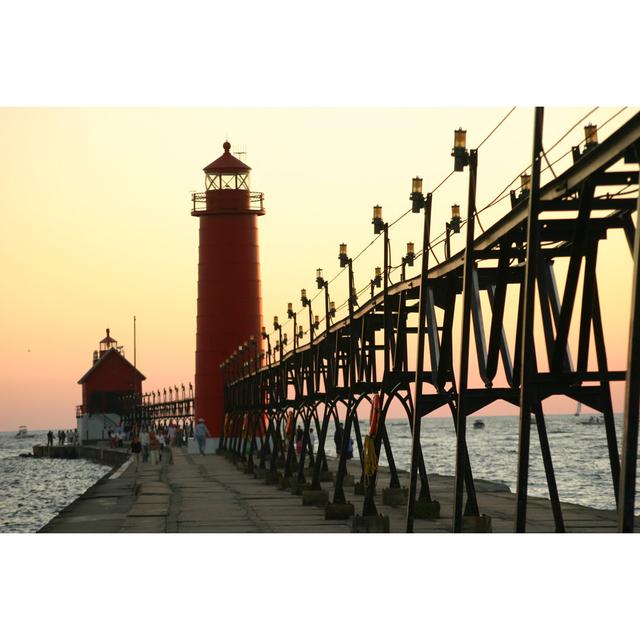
x=103, y=385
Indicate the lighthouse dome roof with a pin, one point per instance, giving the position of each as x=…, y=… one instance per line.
x=227, y=163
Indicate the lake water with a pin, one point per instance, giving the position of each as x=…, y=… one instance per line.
x=34, y=490
x=579, y=453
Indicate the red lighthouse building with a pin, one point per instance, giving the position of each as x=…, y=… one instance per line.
x=229, y=299
x=110, y=377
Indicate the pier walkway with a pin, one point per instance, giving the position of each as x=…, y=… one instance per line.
x=209, y=494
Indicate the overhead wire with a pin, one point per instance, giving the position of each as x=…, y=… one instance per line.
x=440, y=239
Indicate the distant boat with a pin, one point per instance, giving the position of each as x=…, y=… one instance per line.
x=23, y=433
x=593, y=420
x=478, y=424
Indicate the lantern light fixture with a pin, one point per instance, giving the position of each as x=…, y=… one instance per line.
x=459, y=152
x=316, y=322
x=332, y=309
x=303, y=297
x=525, y=183
x=319, y=278
x=290, y=312
x=378, y=222
x=590, y=136
x=590, y=141
x=377, y=279
x=344, y=258
x=276, y=325
x=411, y=254
x=454, y=225
x=416, y=196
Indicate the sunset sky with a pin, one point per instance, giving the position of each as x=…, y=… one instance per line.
x=96, y=225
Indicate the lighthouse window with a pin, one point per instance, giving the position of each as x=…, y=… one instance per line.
x=241, y=181
x=213, y=182
x=217, y=181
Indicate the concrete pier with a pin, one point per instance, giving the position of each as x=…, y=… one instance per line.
x=209, y=494
x=100, y=454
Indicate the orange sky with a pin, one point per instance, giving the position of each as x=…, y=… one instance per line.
x=96, y=228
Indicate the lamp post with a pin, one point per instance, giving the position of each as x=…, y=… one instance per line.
x=345, y=261
x=525, y=188
x=291, y=314
x=278, y=327
x=265, y=336
x=463, y=157
x=407, y=260
x=419, y=202
x=380, y=226
x=451, y=227
x=377, y=280
x=313, y=324
x=590, y=142
x=329, y=307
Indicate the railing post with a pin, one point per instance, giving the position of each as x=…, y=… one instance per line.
x=628, y=472
x=528, y=395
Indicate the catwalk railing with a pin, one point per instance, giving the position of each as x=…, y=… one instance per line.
x=158, y=409
x=560, y=225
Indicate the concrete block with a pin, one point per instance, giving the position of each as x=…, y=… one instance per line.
x=338, y=511
x=426, y=510
x=298, y=487
x=395, y=496
x=476, y=524
x=360, y=489
x=248, y=467
x=314, y=498
x=371, y=524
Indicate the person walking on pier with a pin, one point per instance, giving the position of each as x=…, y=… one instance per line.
x=154, y=445
x=144, y=441
x=171, y=434
x=136, y=449
x=201, y=435
x=50, y=438
x=337, y=438
x=299, y=438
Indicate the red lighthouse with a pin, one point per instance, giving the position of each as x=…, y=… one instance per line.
x=229, y=300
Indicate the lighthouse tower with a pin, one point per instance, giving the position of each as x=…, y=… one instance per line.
x=229, y=300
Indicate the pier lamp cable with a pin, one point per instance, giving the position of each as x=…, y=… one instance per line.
x=440, y=239
x=549, y=166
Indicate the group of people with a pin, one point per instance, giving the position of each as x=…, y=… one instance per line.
x=156, y=445
x=68, y=436
x=299, y=440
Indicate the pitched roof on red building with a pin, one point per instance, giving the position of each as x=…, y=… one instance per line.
x=112, y=353
x=227, y=162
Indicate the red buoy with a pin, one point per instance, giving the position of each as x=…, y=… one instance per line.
x=229, y=300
